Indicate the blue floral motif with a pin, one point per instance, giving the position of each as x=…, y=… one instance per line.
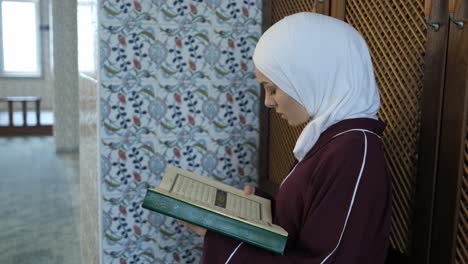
x=131, y=23
x=155, y=219
x=212, y=54
x=157, y=109
x=157, y=164
x=158, y=52
x=105, y=108
x=104, y=50
x=130, y=193
x=105, y=166
x=209, y=161
x=106, y=221
x=183, y=136
x=210, y=108
x=129, y=81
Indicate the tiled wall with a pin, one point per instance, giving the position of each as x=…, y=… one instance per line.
x=177, y=86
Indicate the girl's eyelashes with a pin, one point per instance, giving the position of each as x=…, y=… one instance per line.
x=269, y=89
x=272, y=91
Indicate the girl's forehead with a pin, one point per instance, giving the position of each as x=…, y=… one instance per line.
x=261, y=77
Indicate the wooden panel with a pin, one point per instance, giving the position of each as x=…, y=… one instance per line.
x=431, y=121
x=396, y=34
x=449, y=241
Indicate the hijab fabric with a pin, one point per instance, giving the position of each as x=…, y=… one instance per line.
x=324, y=64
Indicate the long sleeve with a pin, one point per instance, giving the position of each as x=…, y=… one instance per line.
x=335, y=206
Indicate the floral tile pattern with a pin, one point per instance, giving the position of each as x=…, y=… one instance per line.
x=129, y=166
x=177, y=86
x=186, y=13
x=156, y=80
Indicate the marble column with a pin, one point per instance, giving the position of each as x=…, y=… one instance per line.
x=65, y=74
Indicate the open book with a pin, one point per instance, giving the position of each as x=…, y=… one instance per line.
x=216, y=206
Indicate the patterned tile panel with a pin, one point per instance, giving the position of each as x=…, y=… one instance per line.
x=176, y=86
x=156, y=80
x=130, y=166
x=194, y=13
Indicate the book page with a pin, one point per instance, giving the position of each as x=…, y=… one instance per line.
x=216, y=195
x=212, y=196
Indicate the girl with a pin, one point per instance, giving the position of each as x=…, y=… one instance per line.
x=335, y=203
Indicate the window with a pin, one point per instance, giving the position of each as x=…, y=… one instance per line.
x=19, y=38
x=86, y=35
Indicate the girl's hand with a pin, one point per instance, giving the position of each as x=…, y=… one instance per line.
x=249, y=190
x=194, y=228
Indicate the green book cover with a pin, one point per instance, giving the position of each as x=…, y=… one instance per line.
x=216, y=207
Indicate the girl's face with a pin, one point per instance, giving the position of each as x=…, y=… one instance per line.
x=285, y=106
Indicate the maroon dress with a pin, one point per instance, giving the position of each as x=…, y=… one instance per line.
x=335, y=204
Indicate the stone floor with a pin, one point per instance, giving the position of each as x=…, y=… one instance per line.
x=39, y=203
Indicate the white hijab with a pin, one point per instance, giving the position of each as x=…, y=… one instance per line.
x=324, y=64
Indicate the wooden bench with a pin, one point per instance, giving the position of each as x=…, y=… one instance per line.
x=25, y=129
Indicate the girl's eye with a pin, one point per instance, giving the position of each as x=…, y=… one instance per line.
x=272, y=91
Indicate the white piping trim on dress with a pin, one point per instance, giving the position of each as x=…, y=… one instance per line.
x=357, y=129
x=289, y=174
x=339, y=134
x=355, y=189
x=233, y=252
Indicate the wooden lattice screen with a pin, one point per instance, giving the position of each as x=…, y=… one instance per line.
x=282, y=8
x=396, y=34
x=461, y=252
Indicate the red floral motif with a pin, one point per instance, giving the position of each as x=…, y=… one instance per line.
x=242, y=119
x=177, y=98
x=243, y=66
x=178, y=42
x=245, y=11
x=122, y=155
x=192, y=65
x=123, y=210
x=137, y=230
x=137, y=176
x=123, y=261
x=193, y=9
x=122, y=41
x=241, y=171
x=136, y=120
x=122, y=99
x=229, y=97
x=176, y=256
x=228, y=150
x=191, y=120
x=176, y=152
x=136, y=63
x=231, y=43
x=137, y=5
